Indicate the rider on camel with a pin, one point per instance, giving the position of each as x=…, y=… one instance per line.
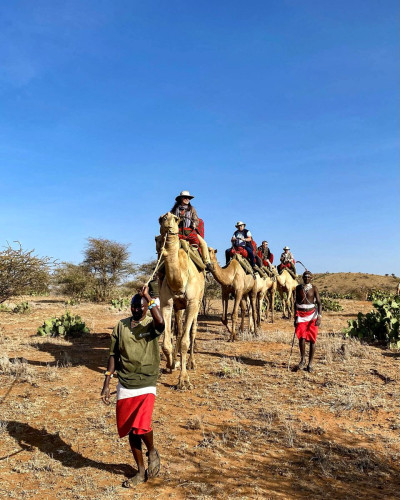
x=190, y=226
x=265, y=258
x=241, y=239
x=287, y=261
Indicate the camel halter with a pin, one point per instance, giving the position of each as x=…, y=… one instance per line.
x=160, y=256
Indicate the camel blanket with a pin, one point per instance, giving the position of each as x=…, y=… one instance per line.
x=244, y=263
x=193, y=255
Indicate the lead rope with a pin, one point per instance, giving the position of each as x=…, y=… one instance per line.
x=159, y=260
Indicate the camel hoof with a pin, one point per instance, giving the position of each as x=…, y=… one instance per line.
x=184, y=385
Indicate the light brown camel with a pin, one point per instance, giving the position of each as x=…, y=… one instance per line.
x=269, y=297
x=287, y=284
x=182, y=290
x=233, y=279
x=265, y=291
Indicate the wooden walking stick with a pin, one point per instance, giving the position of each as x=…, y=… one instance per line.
x=291, y=350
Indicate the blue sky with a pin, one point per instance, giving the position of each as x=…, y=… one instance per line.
x=283, y=114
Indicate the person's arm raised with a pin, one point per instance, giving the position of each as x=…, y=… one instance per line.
x=154, y=310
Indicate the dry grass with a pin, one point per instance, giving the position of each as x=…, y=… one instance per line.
x=17, y=368
x=249, y=428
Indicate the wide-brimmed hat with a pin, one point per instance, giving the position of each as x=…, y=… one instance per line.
x=184, y=194
x=286, y=248
x=240, y=223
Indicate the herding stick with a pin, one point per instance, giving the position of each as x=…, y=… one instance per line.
x=291, y=351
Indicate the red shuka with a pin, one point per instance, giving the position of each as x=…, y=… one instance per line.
x=135, y=414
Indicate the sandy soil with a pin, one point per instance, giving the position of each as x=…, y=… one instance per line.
x=249, y=429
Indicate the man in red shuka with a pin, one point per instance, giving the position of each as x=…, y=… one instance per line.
x=307, y=318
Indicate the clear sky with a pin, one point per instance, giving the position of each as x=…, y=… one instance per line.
x=281, y=113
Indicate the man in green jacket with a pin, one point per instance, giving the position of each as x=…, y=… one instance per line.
x=135, y=354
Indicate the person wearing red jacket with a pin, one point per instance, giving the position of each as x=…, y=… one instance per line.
x=265, y=254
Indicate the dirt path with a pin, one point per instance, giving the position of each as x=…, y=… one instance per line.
x=248, y=429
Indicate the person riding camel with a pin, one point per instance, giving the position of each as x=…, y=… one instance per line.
x=264, y=259
x=264, y=254
x=287, y=261
x=191, y=228
x=241, y=239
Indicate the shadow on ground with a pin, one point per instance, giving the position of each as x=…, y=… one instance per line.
x=29, y=438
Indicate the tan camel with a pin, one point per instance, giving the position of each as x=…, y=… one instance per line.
x=269, y=297
x=233, y=279
x=287, y=284
x=265, y=291
x=182, y=290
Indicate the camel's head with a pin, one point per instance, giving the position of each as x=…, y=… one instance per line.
x=212, y=253
x=169, y=223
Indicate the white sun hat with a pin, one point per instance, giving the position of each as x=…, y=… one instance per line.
x=184, y=194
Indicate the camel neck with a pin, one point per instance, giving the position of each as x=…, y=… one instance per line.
x=171, y=258
x=223, y=276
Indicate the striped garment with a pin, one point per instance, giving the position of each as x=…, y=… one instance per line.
x=134, y=409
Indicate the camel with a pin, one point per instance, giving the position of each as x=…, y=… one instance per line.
x=269, y=297
x=233, y=279
x=264, y=286
x=182, y=290
x=287, y=284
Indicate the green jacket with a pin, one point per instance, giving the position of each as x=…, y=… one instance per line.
x=136, y=351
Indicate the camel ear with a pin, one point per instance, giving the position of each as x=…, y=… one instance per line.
x=215, y=251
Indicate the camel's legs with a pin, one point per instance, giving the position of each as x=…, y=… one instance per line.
x=272, y=291
x=225, y=305
x=193, y=333
x=253, y=327
x=166, y=311
x=238, y=299
x=243, y=310
x=192, y=310
x=179, y=325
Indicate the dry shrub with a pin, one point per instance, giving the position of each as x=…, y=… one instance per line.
x=17, y=368
x=40, y=462
x=231, y=368
x=195, y=423
x=354, y=397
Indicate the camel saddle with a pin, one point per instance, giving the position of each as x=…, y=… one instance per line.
x=244, y=263
x=193, y=254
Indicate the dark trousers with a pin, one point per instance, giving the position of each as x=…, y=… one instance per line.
x=251, y=255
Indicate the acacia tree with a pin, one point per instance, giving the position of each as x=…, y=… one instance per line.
x=142, y=274
x=75, y=280
x=22, y=272
x=108, y=262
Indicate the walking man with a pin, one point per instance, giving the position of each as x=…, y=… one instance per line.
x=135, y=354
x=307, y=318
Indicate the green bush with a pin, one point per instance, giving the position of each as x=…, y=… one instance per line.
x=72, y=302
x=376, y=294
x=330, y=304
x=66, y=325
x=278, y=305
x=121, y=303
x=22, y=308
x=380, y=325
